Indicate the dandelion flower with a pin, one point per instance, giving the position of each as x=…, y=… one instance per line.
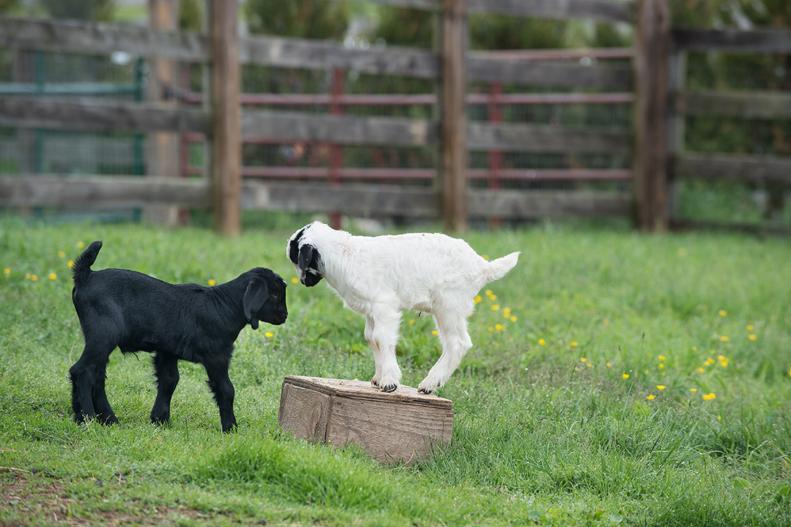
x=294, y=280
x=725, y=338
x=699, y=370
x=661, y=358
x=625, y=376
x=608, y=364
x=513, y=318
x=34, y=278
x=709, y=362
x=61, y=254
x=269, y=334
x=573, y=344
x=6, y=271
x=212, y=282
x=434, y=332
x=723, y=313
x=52, y=277
x=476, y=300
x=80, y=244
x=661, y=365
x=723, y=360
x=499, y=327
x=750, y=328
x=495, y=307
x=70, y=264
x=583, y=359
x=650, y=397
x=507, y=312
x=542, y=342
x=752, y=337
x=709, y=396
x=693, y=390
x=661, y=387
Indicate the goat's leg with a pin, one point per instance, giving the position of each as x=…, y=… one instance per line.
x=452, y=327
x=84, y=374
x=385, y=337
x=167, y=371
x=104, y=412
x=369, y=331
x=221, y=387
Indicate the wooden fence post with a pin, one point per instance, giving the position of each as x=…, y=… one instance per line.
x=162, y=153
x=226, y=149
x=652, y=50
x=453, y=127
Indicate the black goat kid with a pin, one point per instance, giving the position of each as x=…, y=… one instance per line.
x=135, y=312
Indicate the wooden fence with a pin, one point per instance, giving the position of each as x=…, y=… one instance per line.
x=657, y=55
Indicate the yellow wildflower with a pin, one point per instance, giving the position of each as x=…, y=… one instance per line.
x=542, y=342
x=693, y=390
x=699, y=370
x=650, y=397
x=661, y=387
x=70, y=264
x=723, y=360
x=507, y=312
x=496, y=307
x=294, y=280
x=662, y=358
x=750, y=328
x=6, y=271
x=513, y=318
x=625, y=376
x=80, y=244
x=709, y=362
x=573, y=344
x=583, y=359
x=725, y=338
x=52, y=277
x=709, y=396
x=477, y=299
x=269, y=334
x=61, y=254
x=435, y=332
x=608, y=364
x=212, y=282
x=34, y=278
x=661, y=365
x=723, y=313
x=499, y=327
x=752, y=337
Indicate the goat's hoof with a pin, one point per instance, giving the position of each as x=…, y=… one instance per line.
x=389, y=388
x=374, y=381
x=109, y=420
x=426, y=391
x=160, y=420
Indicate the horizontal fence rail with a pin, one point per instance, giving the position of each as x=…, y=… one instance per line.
x=732, y=167
x=86, y=192
x=733, y=40
x=607, y=10
x=748, y=105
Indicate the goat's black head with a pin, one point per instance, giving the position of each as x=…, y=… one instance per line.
x=264, y=298
x=306, y=258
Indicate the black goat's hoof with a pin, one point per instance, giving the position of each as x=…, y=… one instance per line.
x=389, y=388
x=108, y=420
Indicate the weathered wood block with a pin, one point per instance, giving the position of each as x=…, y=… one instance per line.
x=401, y=426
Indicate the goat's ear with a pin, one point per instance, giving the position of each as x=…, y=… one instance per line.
x=254, y=298
x=306, y=255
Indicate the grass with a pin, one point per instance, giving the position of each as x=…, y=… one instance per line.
x=546, y=434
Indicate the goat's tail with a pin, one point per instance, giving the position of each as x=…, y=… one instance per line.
x=83, y=263
x=498, y=268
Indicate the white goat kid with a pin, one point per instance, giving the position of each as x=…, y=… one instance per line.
x=381, y=276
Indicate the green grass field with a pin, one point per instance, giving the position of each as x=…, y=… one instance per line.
x=615, y=379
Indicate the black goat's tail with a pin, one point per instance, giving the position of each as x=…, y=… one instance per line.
x=82, y=266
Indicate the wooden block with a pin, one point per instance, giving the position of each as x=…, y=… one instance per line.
x=402, y=426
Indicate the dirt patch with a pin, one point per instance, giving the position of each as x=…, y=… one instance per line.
x=26, y=499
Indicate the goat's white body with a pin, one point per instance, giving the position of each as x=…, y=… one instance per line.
x=381, y=276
